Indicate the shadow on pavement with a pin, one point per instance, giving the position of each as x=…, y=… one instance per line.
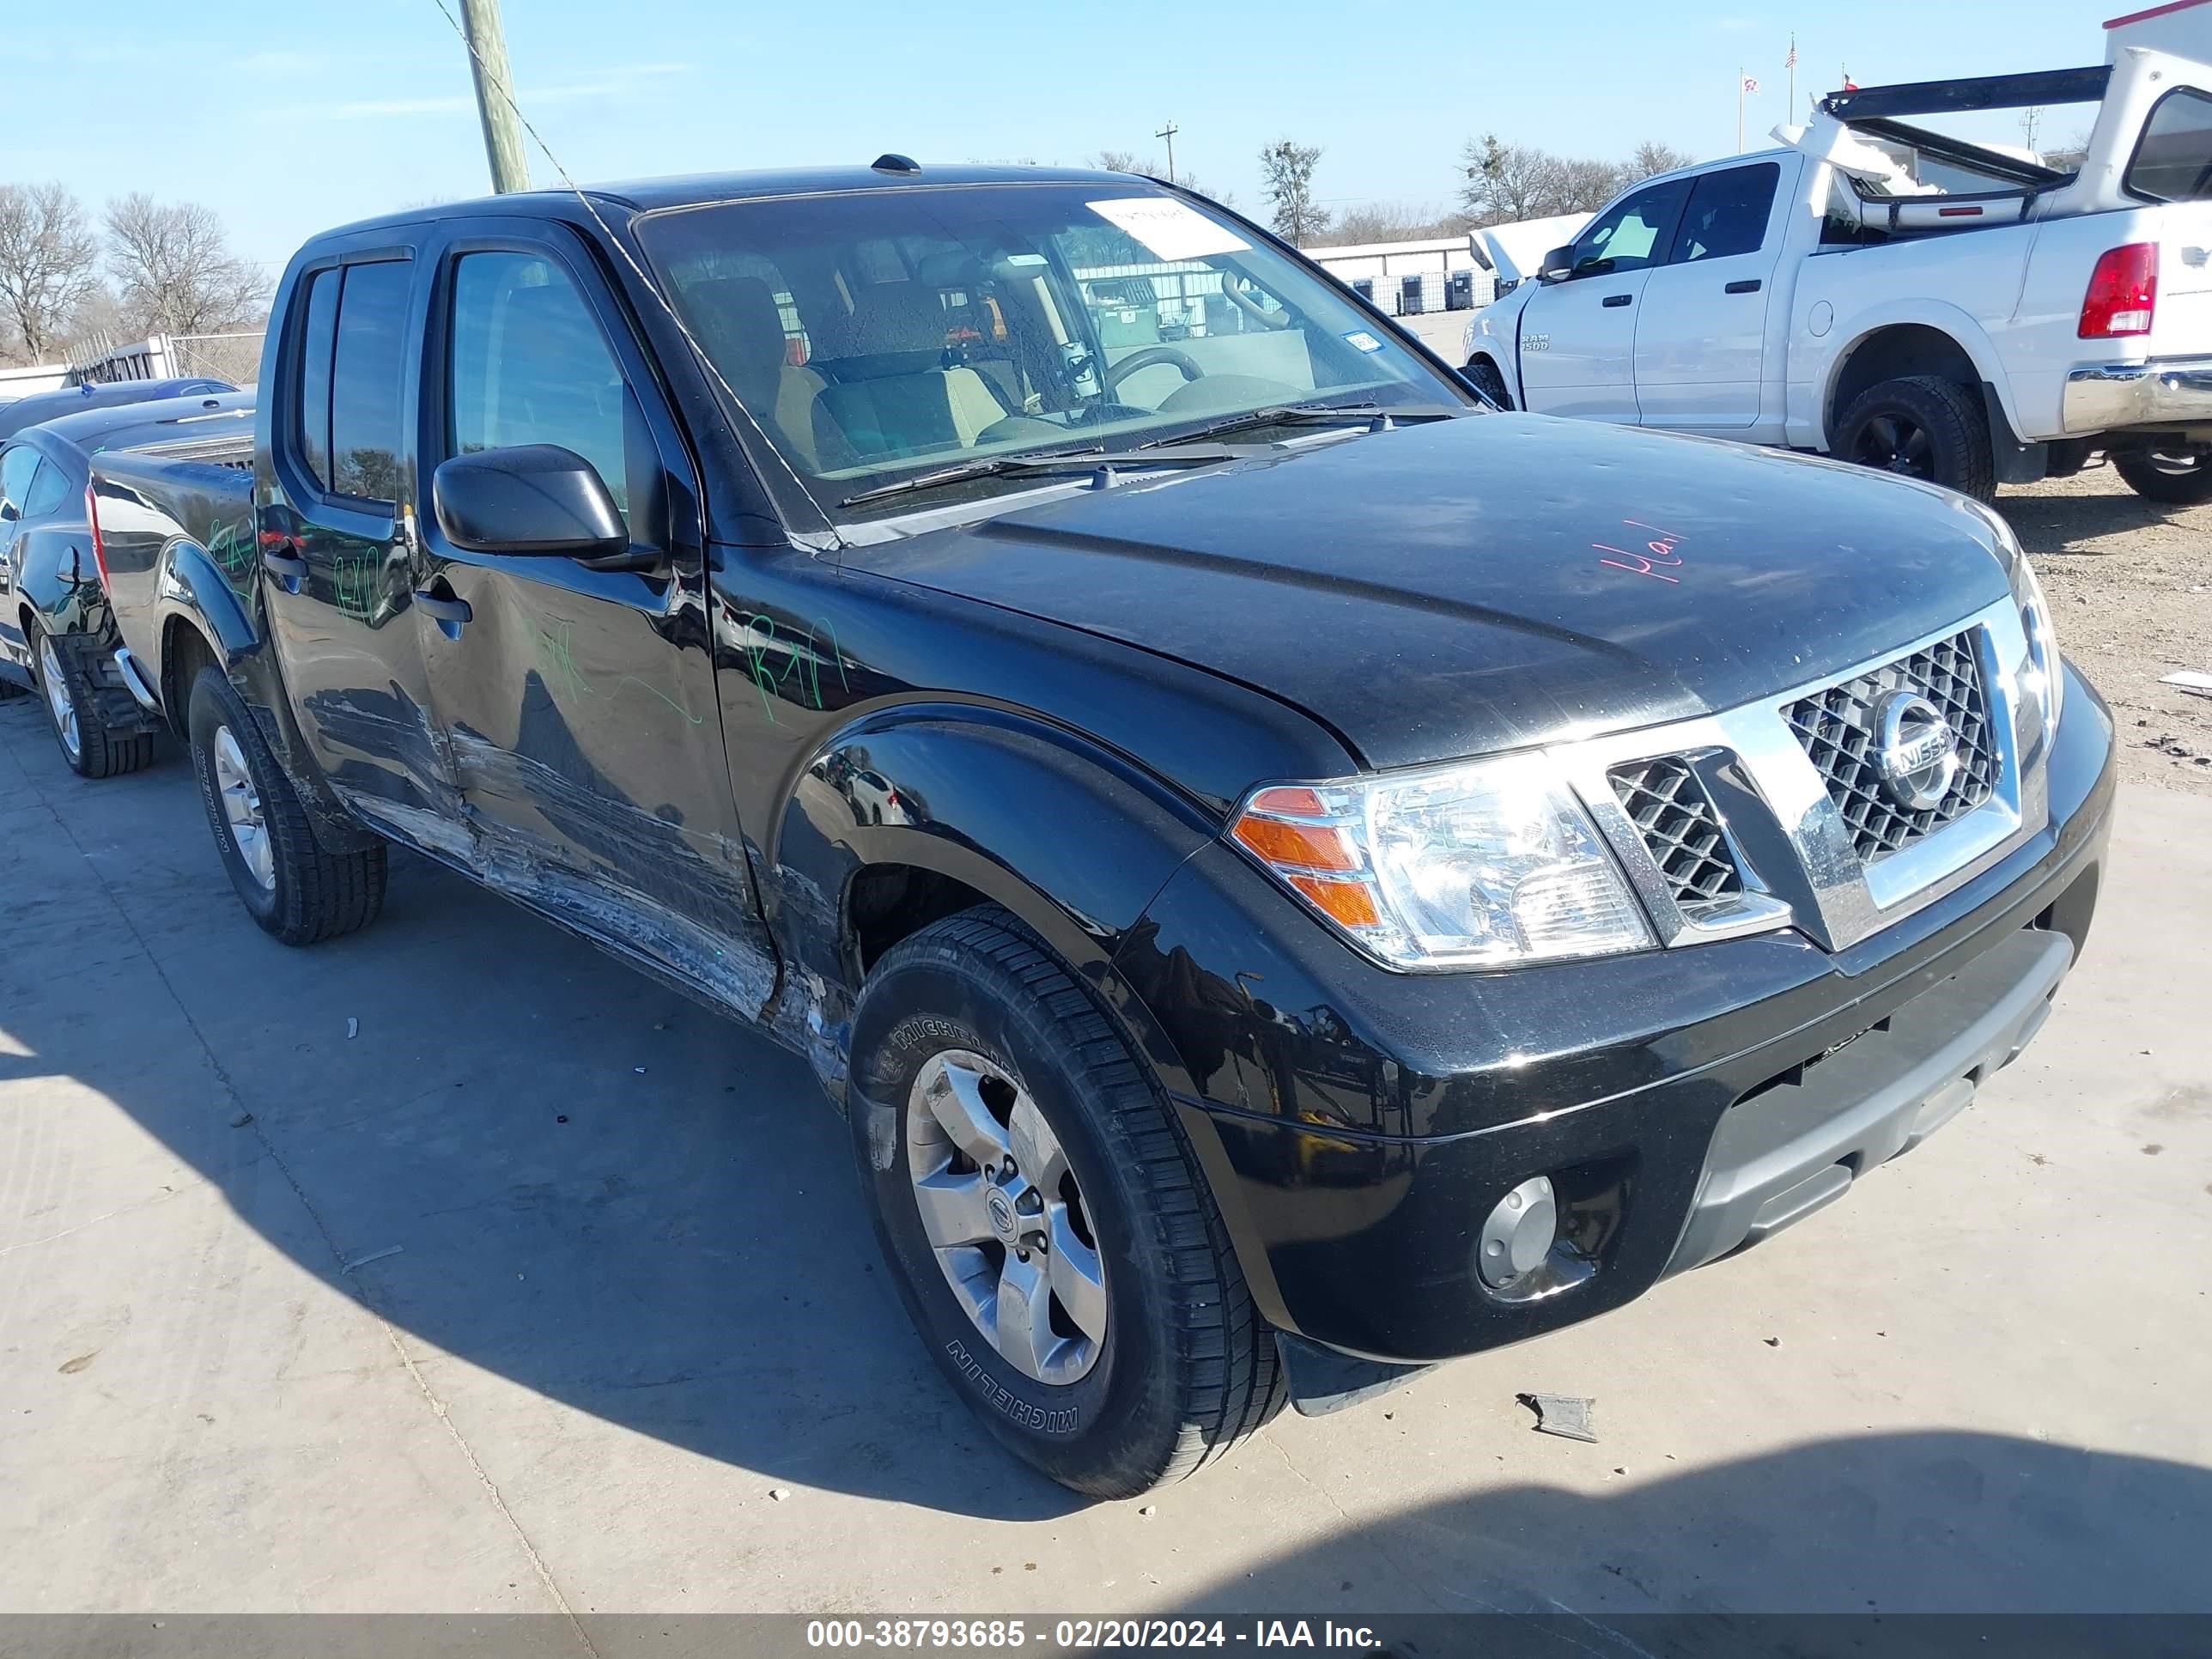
x=1934, y=1521
x=596, y=1189
x=2055, y=526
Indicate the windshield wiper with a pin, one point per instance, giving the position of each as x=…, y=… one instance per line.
x=1097, y=458
x=1381, y=414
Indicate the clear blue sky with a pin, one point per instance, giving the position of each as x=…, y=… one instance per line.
x=290, y=115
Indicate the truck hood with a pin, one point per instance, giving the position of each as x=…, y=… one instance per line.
x=1490, y=582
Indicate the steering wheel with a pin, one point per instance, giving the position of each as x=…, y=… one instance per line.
x=1238, y=291
x=1185, y=364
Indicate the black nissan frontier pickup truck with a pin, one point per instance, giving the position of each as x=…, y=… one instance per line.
x=1290, y=875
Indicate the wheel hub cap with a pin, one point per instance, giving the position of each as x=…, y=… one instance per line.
x=242, y=809
x=1005, y=1217
x=58, y=701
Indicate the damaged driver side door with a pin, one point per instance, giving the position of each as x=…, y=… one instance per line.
x=575, y=696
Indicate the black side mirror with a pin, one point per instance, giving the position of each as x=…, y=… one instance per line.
x=1558, y=266
x=532, y=498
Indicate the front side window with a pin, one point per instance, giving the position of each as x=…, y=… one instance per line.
x=367, y=364
x=528, y=365
x=1627, y=236
x=1727, y=213
x=872, y=333
x=2173, y=161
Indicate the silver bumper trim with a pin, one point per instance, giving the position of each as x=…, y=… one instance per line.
x=2160, y=392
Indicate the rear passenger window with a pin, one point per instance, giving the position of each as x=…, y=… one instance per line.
x=1727, y=214
x=2173, y=161
x=529, y=366
x=367, y=362
x=312, y=430
x=48, y=492
x=16, y=467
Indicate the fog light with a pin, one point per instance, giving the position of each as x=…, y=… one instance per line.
x=1518, y=1233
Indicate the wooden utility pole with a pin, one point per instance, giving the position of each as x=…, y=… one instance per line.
x=1169, y=132
x=502, y=127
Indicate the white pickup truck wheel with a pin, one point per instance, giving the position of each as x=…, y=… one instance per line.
x=2183, y=478
x=1924, y=428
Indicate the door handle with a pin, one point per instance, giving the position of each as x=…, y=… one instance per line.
x=1748, y=285
x=288, y=568
x=1618, y=300
x=451, y=614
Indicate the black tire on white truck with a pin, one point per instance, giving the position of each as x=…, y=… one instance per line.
x=2183, y=477
x=1924, y=428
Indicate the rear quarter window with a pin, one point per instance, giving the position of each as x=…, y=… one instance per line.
x=2173, y=161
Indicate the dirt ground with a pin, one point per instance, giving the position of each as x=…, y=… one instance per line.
x=2130, y=588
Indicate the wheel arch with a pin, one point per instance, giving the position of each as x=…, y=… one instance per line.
x=913, y=812
x=1921, y=339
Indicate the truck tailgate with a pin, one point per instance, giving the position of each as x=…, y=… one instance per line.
x=2183, y=325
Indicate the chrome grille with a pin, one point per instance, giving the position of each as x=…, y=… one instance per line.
x=1837, y=728
x=1681, y=830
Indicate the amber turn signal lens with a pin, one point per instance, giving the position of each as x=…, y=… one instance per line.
x=1308, y=846
x=1351, y=903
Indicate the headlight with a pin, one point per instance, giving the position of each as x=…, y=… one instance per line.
x=2042, y=677
x=2040, y=682
x=1486, y=865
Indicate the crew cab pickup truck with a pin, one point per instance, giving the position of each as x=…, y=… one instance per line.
x=1895, y=296
x=1291, y=876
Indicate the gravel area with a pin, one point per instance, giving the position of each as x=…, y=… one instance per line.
x=2130, y=586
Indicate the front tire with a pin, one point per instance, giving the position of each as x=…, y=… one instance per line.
x=1051, y=1234
x=296, y=891
x=1490, y=381
x=1924, y=428
x=75, y=705
x=2183, y=480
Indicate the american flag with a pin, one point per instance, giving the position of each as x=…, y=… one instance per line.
x=1790, y=62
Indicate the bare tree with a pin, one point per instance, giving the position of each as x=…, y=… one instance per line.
x=1585, y=186
x=1286, y=171
x=174, y=264
x=49, y=264
x=1128, y=160
x=1507, y=182
x=1652, y=157
x=1394, y=221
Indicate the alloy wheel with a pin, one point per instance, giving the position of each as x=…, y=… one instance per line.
x=1896, y=443
x=241, y=808
x=1005, y=1217
x=58, y=700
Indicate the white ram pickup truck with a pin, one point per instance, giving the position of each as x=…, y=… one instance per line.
x=1889, y=295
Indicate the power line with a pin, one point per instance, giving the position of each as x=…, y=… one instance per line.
x=622, y=248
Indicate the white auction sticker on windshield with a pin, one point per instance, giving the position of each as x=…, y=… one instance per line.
x=1168, y=230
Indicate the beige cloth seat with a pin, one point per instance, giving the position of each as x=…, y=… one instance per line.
x=742, y=329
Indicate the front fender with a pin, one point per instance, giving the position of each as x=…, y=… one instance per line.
x=1069, y=835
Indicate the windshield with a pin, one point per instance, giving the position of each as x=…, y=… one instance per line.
x=871, y=335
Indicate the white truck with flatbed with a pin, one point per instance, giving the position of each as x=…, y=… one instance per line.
x=1888, y=294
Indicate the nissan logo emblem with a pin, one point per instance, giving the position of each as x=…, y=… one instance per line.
x=1915, y=751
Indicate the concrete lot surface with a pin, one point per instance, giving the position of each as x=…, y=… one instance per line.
x=548, y=1292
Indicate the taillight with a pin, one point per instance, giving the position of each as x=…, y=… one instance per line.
x=2123, y=293
x=91, y=521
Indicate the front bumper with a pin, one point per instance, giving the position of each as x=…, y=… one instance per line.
x=2162, y=391
x=1356, y=1126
